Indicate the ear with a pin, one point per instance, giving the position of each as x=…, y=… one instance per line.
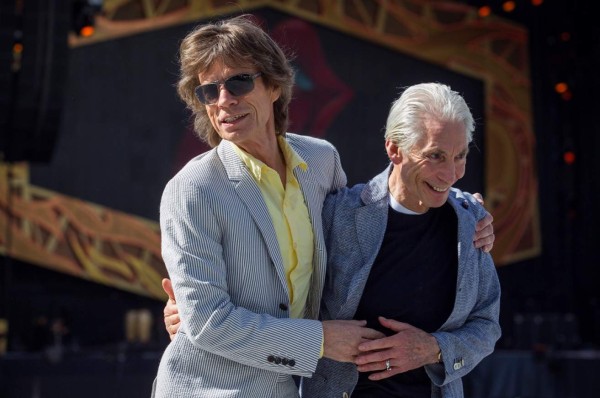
x=393, y=151
x=275, y=94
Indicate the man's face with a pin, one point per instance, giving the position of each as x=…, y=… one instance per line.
x=432, y=166
x=246, y=120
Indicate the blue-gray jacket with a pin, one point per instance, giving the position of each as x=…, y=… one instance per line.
x=354, y=220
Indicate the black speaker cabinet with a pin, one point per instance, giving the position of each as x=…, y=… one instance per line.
x=33, y=71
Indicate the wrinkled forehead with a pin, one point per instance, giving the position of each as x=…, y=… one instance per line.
x=443, y=133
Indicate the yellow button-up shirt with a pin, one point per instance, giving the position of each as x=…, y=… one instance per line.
x=291, y=221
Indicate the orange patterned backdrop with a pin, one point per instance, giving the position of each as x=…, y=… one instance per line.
x=121, y=250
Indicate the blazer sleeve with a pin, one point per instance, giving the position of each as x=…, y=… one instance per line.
x=192, y=233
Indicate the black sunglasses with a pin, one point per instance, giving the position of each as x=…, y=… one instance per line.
x=237, y=85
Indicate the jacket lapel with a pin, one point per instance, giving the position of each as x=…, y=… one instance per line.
x=370, y=222
x=371, y=219
x=250, y=194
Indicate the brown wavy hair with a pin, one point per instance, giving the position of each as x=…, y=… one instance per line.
x=237, y=41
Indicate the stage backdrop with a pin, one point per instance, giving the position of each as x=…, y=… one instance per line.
x=92, y=210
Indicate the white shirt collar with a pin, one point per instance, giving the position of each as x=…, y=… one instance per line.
x=399, y=208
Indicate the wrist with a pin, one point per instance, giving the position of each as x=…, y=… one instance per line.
x=436, y=352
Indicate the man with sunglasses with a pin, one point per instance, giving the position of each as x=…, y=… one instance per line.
x=241, y=228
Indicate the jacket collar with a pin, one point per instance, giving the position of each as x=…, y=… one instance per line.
x=377, y=188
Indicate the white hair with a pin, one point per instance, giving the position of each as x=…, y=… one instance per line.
x=421, y=102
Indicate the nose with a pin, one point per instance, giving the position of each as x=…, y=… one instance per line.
x=449, y=173
x=225, y=97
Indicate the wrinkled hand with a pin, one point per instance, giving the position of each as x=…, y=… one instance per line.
x=171, y=312
x=342, y=337
x=484, y=230
x=409, y=348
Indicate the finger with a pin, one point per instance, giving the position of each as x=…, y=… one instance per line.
x=172, y=332
x=355, y=322
x=376, y=345
x=170, y=309
x=371, y=345
x=488, y=241
x=172, y=322
x=168, y=288
x=373, y=358
x=484, y=237
x=372, y=334
x=478, y=196
x=173, y=319
x=394, y=325
x=479, y=242
x=484, y=232
x=485, y=222
x=374, y=366
x=482, y=225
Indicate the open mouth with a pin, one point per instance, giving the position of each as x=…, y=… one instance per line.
x=437, y=189
x=233, y=119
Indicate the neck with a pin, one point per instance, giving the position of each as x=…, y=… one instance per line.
x=271, y=154
x=267, y=151
x=396, y=189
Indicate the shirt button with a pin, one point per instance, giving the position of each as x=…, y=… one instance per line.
x=291, y=362
x=283, y=307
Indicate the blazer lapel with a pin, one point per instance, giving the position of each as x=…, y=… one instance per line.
x=250, y=194
x=370, y=222
x=371, y=219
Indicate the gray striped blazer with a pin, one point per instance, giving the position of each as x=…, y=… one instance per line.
x=221, y=252
x=355, y=220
